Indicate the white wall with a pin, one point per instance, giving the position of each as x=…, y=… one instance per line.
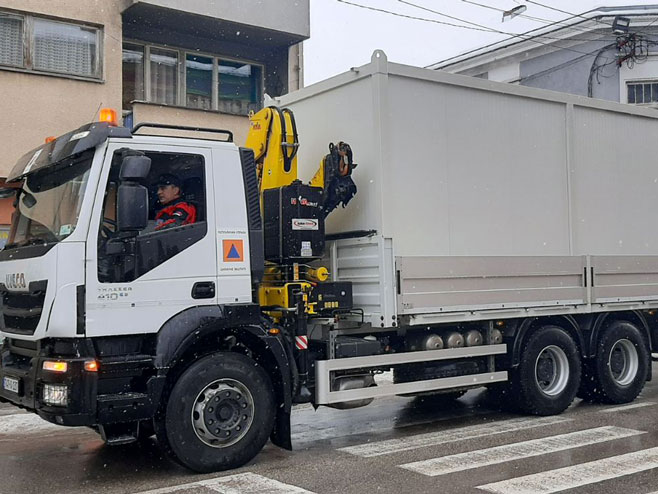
x=505, y=73
x=640, y=72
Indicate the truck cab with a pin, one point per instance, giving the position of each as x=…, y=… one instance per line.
x=98, y=303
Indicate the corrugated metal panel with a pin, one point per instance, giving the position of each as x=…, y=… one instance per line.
x=368, y=264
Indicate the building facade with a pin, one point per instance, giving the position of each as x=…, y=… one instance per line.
x=202, y=63
x=582, y=55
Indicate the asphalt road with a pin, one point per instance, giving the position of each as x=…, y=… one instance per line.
x=394, y=445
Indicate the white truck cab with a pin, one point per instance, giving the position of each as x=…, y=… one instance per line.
x=100, y=301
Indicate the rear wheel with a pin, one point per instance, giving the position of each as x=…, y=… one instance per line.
x=220, y=413
x=548, y=376
x=619, y=370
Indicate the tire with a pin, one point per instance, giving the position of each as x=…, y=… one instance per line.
x=548, y=376
x=207, y=438
x=619, y=370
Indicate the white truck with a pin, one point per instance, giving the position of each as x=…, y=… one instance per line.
x=501, y=236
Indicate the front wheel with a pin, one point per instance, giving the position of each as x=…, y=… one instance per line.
x=548, y=375
x=220, y=413
x=619, y=370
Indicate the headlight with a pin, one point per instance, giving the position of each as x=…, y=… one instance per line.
x=56, y=395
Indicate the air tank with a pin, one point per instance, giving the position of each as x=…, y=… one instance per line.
x=473, y=338
x=453, y=339
x=422, y=342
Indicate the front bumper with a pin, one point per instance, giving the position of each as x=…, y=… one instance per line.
x=27, y=368
x=126, y=387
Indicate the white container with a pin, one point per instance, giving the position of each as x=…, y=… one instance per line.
x=484, y=195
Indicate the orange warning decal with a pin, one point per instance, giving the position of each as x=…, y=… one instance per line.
x=233, y=250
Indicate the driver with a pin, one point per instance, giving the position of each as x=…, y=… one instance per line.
x=175, y=211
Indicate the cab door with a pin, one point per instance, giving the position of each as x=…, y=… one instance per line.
x=135, y=285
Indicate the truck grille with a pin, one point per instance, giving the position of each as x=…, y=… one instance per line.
x=21, y=311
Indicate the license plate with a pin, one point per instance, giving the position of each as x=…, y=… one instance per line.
x=11, y=384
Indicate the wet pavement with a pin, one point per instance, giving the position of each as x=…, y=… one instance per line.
x=393, y=445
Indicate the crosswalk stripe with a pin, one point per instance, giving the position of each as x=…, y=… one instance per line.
x=25, y=423
x=241, y=483
x=516, y=451
x=577, y=475
x=627, y=407
x=380, y=448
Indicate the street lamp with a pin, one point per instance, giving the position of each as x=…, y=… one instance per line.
x=512, y=13
x=620, y=25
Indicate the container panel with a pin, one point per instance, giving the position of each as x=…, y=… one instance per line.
x=624, y=278
x=444, y=284
x=614, y=183
x=473, y=172
x=343, y=113
x=368, y=264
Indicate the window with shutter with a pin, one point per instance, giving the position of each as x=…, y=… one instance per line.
x=65, y=48
x=11, y=40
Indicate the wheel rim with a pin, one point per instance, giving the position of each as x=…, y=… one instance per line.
x=623, y=362
x=223, y=413
x=552, y=370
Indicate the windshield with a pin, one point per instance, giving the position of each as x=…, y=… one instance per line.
x=48, y=204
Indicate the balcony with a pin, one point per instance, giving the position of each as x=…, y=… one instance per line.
x=280, y=22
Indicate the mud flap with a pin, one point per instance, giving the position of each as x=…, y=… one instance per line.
x=281, y=433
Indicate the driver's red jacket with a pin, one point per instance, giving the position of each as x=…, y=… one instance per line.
x=175, y=214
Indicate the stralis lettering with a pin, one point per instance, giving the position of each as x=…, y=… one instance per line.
x=15, y=280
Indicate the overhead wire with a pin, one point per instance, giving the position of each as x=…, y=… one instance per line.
x=594, y=71
x=473, y=27
x=555, y=9
x=549, y=22
x=512, y=35
x=412, y=17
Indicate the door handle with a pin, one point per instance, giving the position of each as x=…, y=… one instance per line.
x=203, y=289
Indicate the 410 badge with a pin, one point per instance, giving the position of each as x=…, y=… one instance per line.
x=113, y=293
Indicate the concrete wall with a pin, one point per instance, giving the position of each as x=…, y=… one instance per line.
x=290, y=16
x=36, y=106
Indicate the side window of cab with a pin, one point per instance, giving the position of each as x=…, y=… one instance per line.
x=176, y=187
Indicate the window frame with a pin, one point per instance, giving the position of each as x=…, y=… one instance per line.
x=181, y=96
x=27, y=66
x=192, y=233
x=643, y=83
x=13, y=15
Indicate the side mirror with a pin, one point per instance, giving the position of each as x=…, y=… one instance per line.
x=134, y=168
x=132, y=198
x=132, y=207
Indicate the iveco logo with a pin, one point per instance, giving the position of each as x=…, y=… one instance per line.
x=15, y=280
